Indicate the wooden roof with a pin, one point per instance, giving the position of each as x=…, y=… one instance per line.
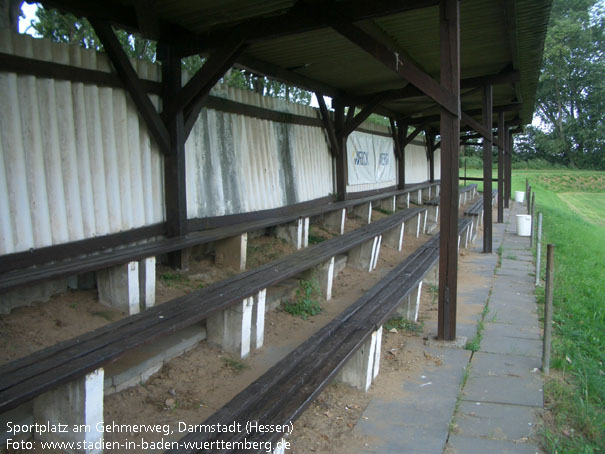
x=501, y=42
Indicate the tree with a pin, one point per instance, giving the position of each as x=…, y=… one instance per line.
x=570, y=100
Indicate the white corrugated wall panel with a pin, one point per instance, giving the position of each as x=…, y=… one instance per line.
x=76, y=159
x=416, y=164
x=238, y=164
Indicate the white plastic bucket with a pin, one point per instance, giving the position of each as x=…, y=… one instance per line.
x=523, y=224
x=519, y=196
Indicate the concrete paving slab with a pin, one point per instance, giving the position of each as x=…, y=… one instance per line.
x=492, y=343
x=467, y=445
x=495, y=421
x=507, y=330
x=404, y=439
x=493, y=364
x=505, y=390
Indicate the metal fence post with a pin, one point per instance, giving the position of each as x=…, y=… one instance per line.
x=528, y=200
x=533, y=225
x=550, y=255
x=539, y=249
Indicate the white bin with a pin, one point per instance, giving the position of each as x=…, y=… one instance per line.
x=523, y=224
x=519, y=196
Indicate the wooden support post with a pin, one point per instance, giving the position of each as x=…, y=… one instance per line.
x=508, y=168
x=175, y=194
x=341, y=159
x=430, y=153
x=501, y=144
x=487, y=170
x=449, y=18
x=548, y=294
x=399, y=132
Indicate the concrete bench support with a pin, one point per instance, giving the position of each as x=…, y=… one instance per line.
x=335, y=220
x=433, y=213
x=231, y=252
x=394, y=237
x=147, y=282
x=416, y=197
x=257, y=334
x=363, y=257
x=119, y=287
x=409, y=308
x=388, y=204
x=437, y=190
x=323, y=274
x=432, y=277
x=426, y=193
x=363, y=366
x=77, y=403
x=412, y=226
x=403, y=200
x=295, y=233
x=364, y=211
x=231, y=328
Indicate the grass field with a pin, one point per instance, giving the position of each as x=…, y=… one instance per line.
x=573, y=205
x=591, y=206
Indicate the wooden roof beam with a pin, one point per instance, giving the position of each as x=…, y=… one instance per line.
x=298, y=20
x=396, y=63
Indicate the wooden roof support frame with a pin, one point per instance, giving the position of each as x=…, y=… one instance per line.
x=337, y=140
x=449, y=34
x=132, y=83
x=399, y=132
x=431, y=146
x=396, y=62
x=501, y=143
x=508, y=192
x=353, y=122
x=487, y=169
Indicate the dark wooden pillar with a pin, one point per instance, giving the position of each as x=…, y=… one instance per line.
x=501, y=145
x=399, y=132
x=509, y=168
x=487, y=169
x=430, y=151
x=449, y=27
x=341, y=159
x=175, y=194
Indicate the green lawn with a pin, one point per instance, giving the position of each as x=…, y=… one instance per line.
x=589, y=205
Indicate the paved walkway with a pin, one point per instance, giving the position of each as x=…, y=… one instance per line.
x=495, y=410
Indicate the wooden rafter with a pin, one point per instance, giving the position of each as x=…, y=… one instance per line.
x=396, y=63
x=132, y=83
x=352, y=123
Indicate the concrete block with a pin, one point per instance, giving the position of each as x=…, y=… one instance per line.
x=359, y=369
x=426, y=194
x=77, y=403
x=119, y=287
x=231, y=252
x=403, y=200
x=388, y=204
x=147, y=282
x=364, y=211
x=432, y=277
x=414, y=303
x=394, y=237
x=323, y=274
x=257, y=334
x=433, y=213
x=292, y=233
x=231, y=328
x=335, y=220
x=305, y=234
x=362, y=257
x=377, y=352
x=467, y=234
x=437, y=190
x=376, y=253
x=416, y=197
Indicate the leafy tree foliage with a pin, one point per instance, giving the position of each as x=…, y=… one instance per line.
x=66, y=28
x=571, y=93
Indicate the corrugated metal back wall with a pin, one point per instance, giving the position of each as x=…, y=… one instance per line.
x=76, y=160
x=238, y=164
